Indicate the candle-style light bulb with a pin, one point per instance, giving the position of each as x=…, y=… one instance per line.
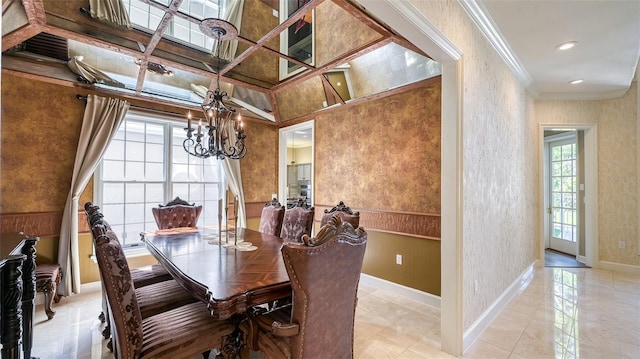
x=200, y=127
x=189, y=121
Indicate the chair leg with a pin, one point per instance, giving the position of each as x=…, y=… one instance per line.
x=48, y=289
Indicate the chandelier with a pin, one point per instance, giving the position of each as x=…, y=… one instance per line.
x=219, y=135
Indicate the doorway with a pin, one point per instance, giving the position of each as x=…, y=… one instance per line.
x=569, y=177
x=561, y=158
x=295, y=165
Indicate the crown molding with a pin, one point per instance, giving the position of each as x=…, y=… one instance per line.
x=480, y=16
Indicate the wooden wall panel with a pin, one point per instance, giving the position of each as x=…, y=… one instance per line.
x=43, y=224
x=421, y=225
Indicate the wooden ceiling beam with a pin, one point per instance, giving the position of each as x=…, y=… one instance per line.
x=357, y=52
x=20, y=35
x=310, y=5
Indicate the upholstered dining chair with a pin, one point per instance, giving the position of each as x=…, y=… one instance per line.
x=181, y=332
x=271, y=218
x=324, y=273
x=297, y=222
x=176, y=213
x=341, y=210
x=154, y=292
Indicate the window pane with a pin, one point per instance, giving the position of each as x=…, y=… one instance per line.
x=155, y=192
x=115, y=151
x=135, y=151
x=155, y=171
x=135, y=171
x=155, y=133
x=135, y=192
x=114, y=213
x=113, y=193
x=180, y=190
x=134, y=212
x=112, y=170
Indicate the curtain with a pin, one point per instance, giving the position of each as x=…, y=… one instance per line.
x=90, y=73
x=234, y=178
x=112, y=12
x=102, y=117
x=232, y=14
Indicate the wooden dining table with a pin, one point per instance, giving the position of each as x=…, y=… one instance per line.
x=229, y=280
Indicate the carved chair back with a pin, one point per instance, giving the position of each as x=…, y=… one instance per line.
x=271, y=218
x=124, y=313
x=297, y=222
x=324, y=273
x=176, y=213
x=342, y=211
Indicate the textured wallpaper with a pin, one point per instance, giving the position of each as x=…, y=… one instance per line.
x=260, y=167
x=382, y=155
x=350, y=32
x=499, y=164
x=38, y=145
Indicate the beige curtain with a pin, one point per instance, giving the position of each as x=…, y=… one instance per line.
x=90, y=73
x=232, y=14
x=102, y=117
x=112, y=12
x=234, y=179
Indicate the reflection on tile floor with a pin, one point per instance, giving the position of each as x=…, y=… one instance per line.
x=562, y=313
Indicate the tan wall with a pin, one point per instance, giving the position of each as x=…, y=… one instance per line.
x=616, y=121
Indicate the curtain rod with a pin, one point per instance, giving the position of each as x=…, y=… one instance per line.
x=145, y=109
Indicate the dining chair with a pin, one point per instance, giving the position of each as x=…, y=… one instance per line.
x=153, y=294
x=141, y=277
x=297, y=222
x=181, y=332
x=324, y=273
x=271, y=218
x=341, y=210
x=176, y=213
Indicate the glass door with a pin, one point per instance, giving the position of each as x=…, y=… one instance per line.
x=563, y=197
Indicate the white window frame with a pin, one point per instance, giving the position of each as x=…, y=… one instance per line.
x=131, y=246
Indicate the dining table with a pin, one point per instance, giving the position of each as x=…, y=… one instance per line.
x=229, y=271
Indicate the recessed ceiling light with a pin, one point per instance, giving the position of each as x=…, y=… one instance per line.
x=566, y=45
x=575, y=82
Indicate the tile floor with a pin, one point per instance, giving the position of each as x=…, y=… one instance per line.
x=561, y=313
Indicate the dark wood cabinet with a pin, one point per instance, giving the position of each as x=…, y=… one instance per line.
x=17, y=294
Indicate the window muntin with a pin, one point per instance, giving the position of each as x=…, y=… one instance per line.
x=145, y=165
x=184, y=27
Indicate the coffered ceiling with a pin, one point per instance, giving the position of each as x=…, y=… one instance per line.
x=286, y=69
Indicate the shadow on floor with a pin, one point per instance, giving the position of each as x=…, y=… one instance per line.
x=558, y=259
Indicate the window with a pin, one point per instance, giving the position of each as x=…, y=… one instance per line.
x=184, y=26
x=145, y=165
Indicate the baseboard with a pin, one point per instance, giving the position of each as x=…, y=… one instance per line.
x=474, y=331
x=619, y=267
x=418, y=295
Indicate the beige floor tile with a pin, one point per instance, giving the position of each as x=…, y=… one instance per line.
x=559, y=313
